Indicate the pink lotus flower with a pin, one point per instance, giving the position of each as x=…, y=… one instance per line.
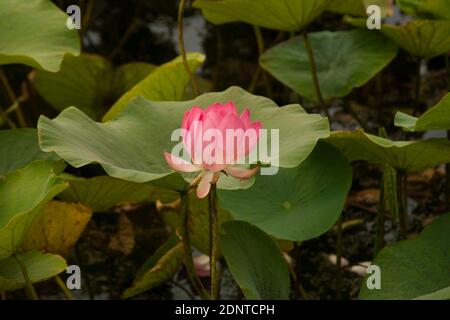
x=217, y=139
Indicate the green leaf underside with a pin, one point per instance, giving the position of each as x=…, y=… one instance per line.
x=435, y=118
x=426, y=8
x=40, y=267
x=103, y=192
x=23, y=195
x=443, y=294
x=286, y=15
x=89, y=82
x=403, y=155
x=358, y=7
x=34, y=33
x=132, y=146
x=421, y=38
x=167, y=83
x=18, y=147
x=159, y=268
x=255, y=261
x=417, y=268
x=344, y=60
x=289, y=205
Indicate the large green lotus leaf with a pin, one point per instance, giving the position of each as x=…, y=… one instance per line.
x=443, y=294
x=159, y=268
x=344, y=59
x=132, y=146
x=421, y=38
x=34, y=33
x=128, y=75
x=436, y=118
x=40, y=267
x=290, y=205
x=23, y=195
x=402, y=155
x=417, y=268
x=198, y=219
x=89, y=82
x=359, y=7
x=434, y=8
x=286, y=15
x=255, y=261
x=18, y=147
x=167, y=83
x=103, y=192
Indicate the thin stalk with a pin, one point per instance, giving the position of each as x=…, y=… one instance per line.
x=12, y=98
x=379, y=239
x=402, y=202
x=295, y=274
x=380, y=98
x=255, y=79
x=128, y=32
x=312, y=63
x=447, y=165
x=447, y=181
x=349, y=109
x=261, y=48
x=219, y=59
x=4, y=114
x=339, y=237
x=418, y=88
x=80, y=262
x=188, y=261
x=213, y=241
x=87, y=15
x=220, y=277
x=184, y=289
x=182, y=49
x=29, y=289
x=62, y=285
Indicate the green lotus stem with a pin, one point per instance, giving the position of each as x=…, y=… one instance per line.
x=447, y=181
x=62, y=285
x=255, y=78
x=213, y=241
x=13, y=99
x=30, y=291
x=379, y=238
x=447, y=165
x=402, y=202
x=418, y=88
x=188, y=260
x=338, y=256
x=79, y=261
x=87, y=15
x=183, y=288
x=348, y=107
x=4, y=115
x=312, y=63
x=261, y=48
x=299, y=290
x=182, y=49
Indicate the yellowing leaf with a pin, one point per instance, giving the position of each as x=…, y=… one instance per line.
x=58, y=228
